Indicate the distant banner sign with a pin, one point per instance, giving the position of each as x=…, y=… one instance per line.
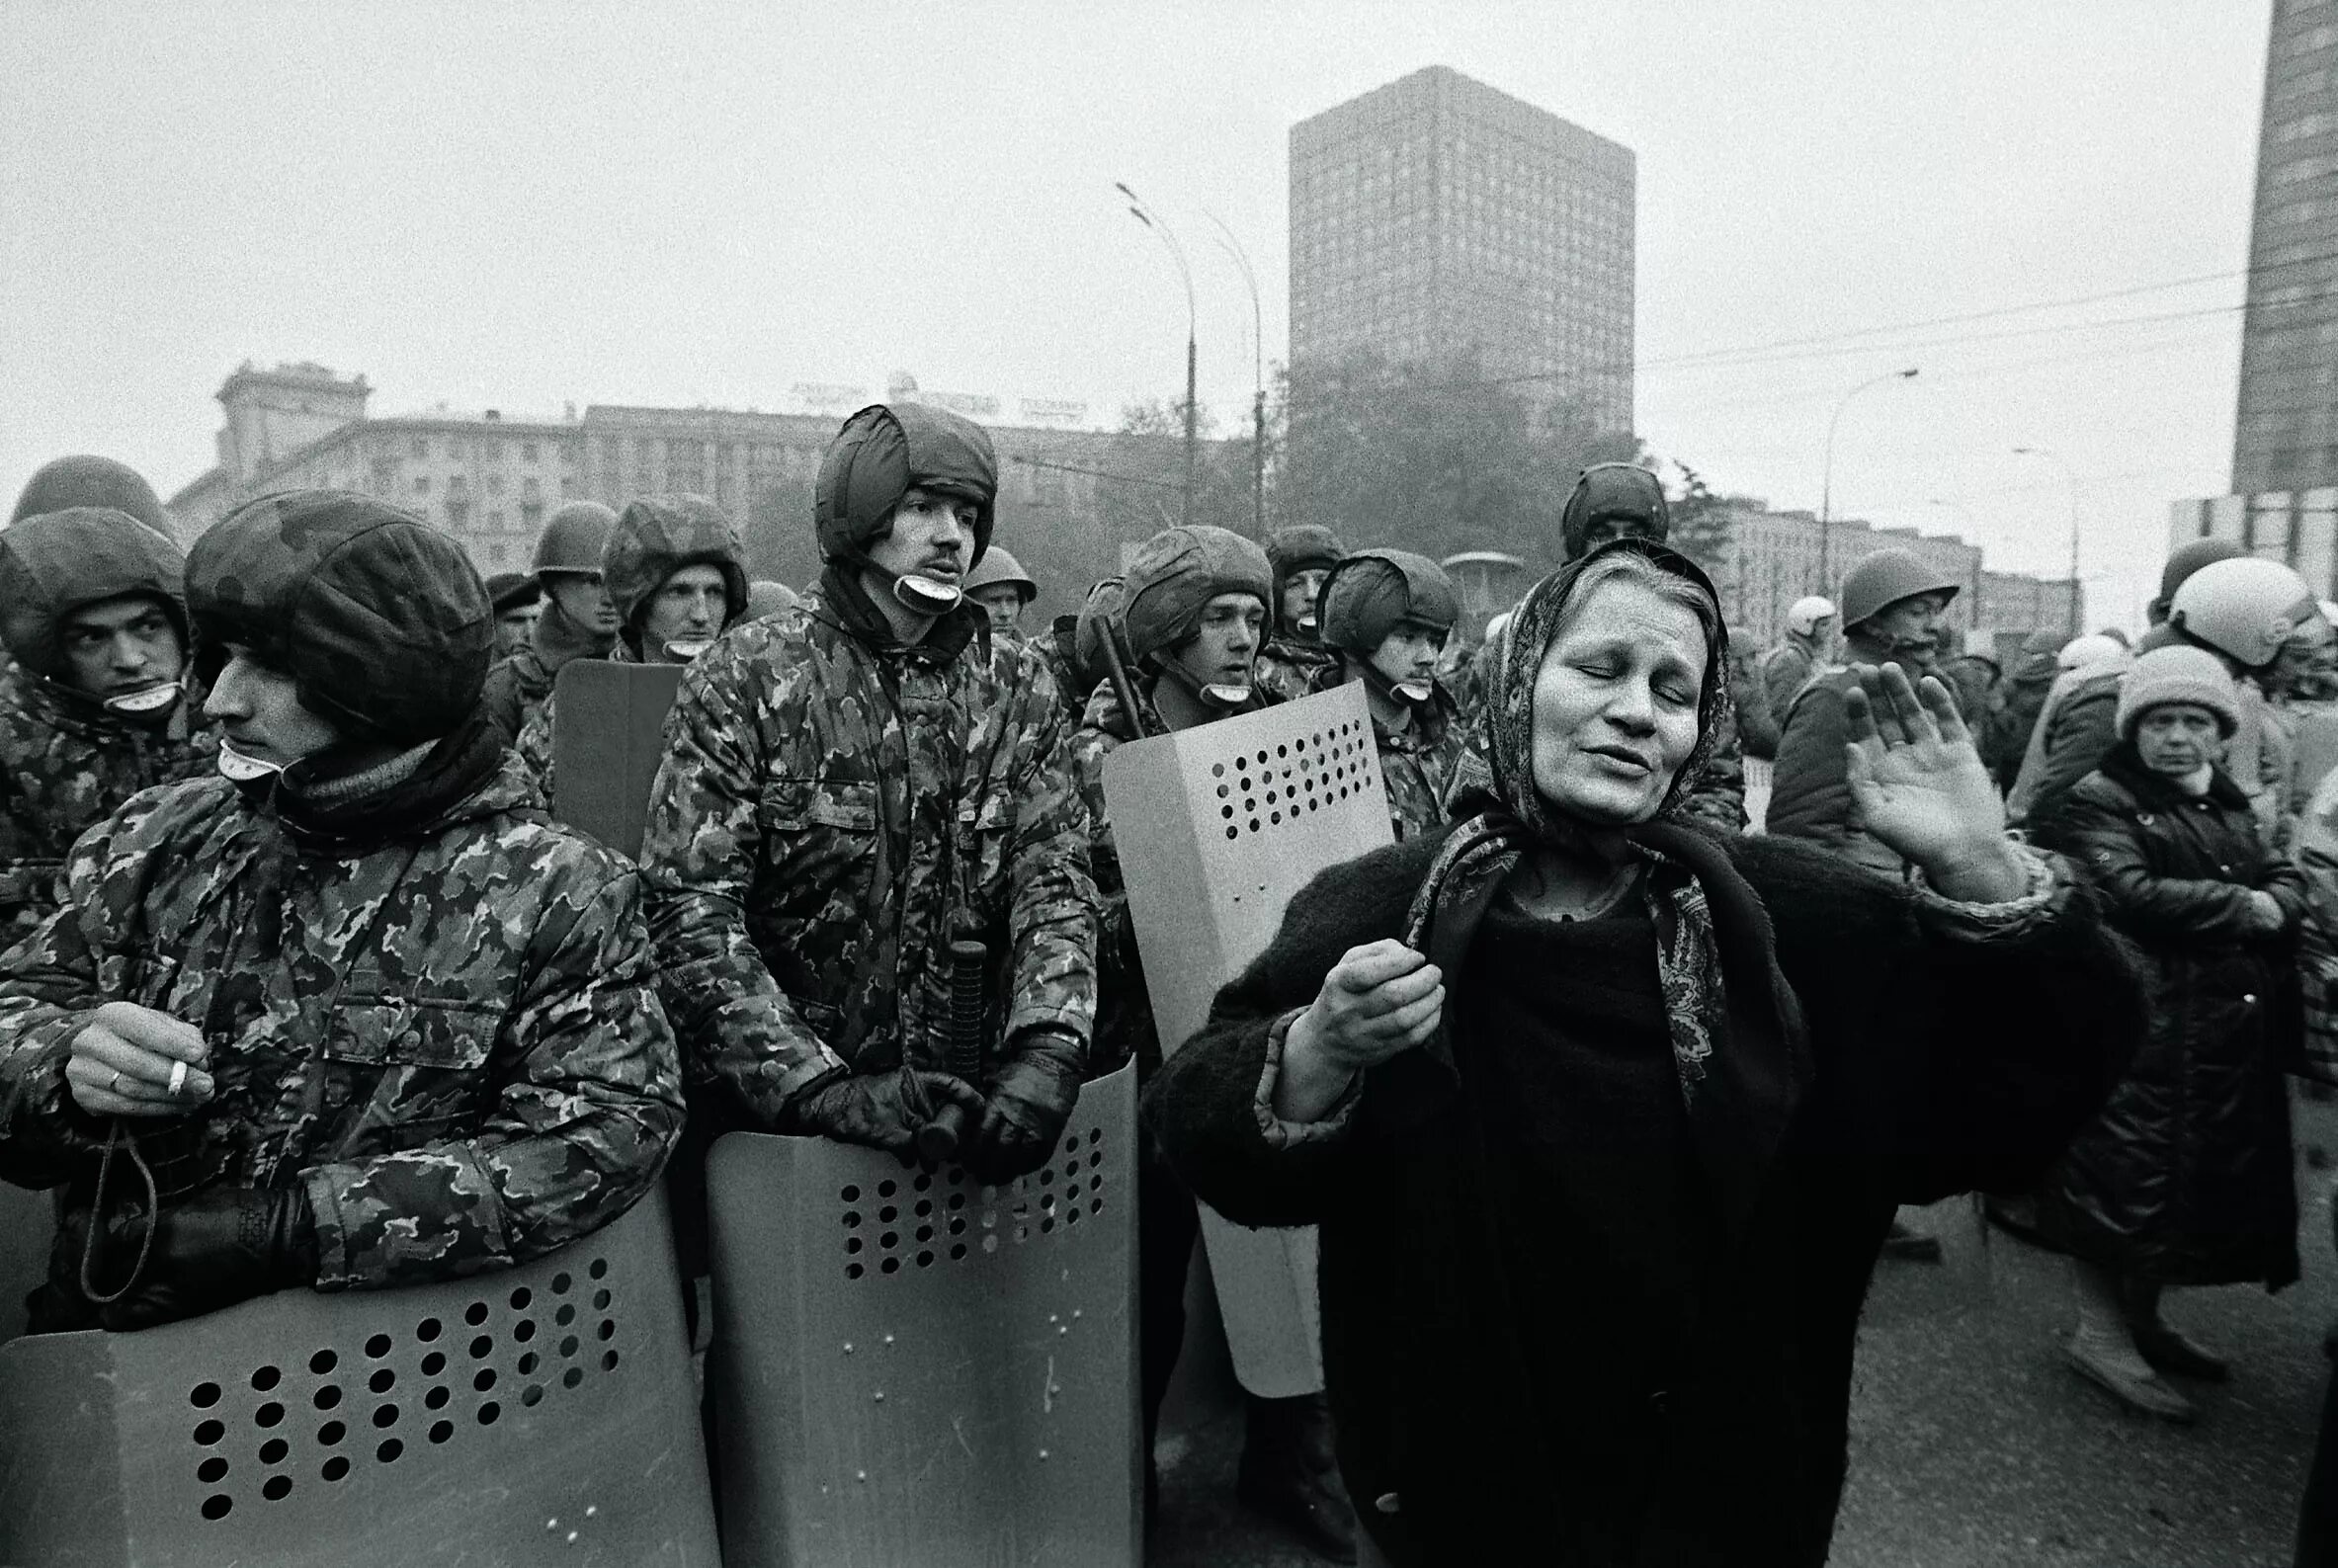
x=972, y=403
x=1065, y=409
x=828, y=394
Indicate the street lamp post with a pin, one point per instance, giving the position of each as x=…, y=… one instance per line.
x=1150, y=219
x=1826, y=483
x=1258, y=370
x=2070, y=474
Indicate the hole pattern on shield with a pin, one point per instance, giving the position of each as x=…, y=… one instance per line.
x=924, y=1218
x=1260, y=789
x=303, y=1421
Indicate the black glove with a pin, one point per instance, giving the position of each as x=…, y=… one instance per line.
x=882, y=1110
x=1031, y=1099
x=211, y=1250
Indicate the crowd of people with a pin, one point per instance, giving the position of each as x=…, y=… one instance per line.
x=1606, y=1095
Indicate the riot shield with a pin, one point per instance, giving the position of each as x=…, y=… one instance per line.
x=1216, y=827
x=27, y=1223
x=913, y=1369
x=609, y=728
x=541, y=1414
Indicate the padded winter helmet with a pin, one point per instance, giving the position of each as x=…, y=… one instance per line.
x=1805, y=614
x=1175, y=575
x=86, y=481
x=882, y=453
x=2244, y=608
x=1886, y=578
x=573, y=540
x=1614, y=491
x=2092, y=648
x=1369, y=592
x=1000, y=567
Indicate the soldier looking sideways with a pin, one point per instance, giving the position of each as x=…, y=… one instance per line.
x=360, y=1014
x=851, y=786
x=94, y=708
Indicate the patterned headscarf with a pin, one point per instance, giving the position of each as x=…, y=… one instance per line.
x=1499, y=768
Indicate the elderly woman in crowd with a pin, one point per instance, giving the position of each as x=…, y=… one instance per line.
x=2185, y=1178
x=1604, y=1116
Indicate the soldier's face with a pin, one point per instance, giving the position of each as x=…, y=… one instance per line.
x=1004, y=600
x=583, y=598
x=930, y=536
x=514, y=628
x=1300, y=590
x=120, y=645
x=1911, y=619
x=1410, y=652
x=689, y=608
x=1223, y=649
x=260, y=713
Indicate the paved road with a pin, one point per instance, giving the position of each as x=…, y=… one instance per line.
x=1971, y=1446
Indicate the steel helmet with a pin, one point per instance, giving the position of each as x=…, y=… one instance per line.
x=573, y=540
x=1803, y=616
x=2093, y=648
x=1886, y=578
x=996, y=567
x=2244, y=608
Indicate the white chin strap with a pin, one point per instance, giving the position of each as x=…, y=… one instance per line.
x=1224, y=693
x=1414, y=692
x=242, y=769
x=927, y=596
x=150, y=700
x=684, y=649
x=1306, y=623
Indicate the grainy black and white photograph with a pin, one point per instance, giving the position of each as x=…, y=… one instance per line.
x=1414, y=782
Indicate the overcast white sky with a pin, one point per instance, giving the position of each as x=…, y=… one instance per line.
x=524, y=205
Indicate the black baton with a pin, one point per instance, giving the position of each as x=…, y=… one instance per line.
x=940, y=1138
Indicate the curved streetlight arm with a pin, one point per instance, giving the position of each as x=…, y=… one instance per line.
x=1144, y=213
x=1826, y=481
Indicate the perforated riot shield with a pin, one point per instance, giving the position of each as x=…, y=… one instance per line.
x=609, y=729
x=1218, y=827
x=542, y=1414
x=912, y=1368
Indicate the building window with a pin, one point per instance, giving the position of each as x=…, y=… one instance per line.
x=499, y=554
x=526, y=451
x=421, y=448
x=458, y=511
x=532, y=515
x=529, y=488
x=421, y=484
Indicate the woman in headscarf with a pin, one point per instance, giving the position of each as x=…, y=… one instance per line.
x=1603, y=1116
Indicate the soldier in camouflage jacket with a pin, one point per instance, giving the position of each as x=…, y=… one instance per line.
x=848, y=786
x=366, y=1016
x=654, y=541
x=1386, y=613
x=92, y=705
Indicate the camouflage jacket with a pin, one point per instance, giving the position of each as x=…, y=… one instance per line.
x=1289, y=671
x=452, y=1040
x=65, y=765
x=1417, y=760
x=829, y=815
x=516, y=691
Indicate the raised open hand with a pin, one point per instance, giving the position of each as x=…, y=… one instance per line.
x=1920, y=786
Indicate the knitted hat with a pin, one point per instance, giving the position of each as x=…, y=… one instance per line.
x=2178, y=675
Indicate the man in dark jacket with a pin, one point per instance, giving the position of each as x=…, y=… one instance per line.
x=2025, y=690
x=577, y=622
x=366, y=1014
x=1295, y=656
x=1798, y=655
x=849, y=786
x=92, y=708
x=1891, y=608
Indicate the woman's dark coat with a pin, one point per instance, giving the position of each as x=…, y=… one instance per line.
x=2185, y=1178
x=1939, y=1065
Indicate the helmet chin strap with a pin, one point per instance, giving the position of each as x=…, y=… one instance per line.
x=926, y=596
x=242, y=768
x=148, y=701
x=1221, y=695
x=1412, y=694
x=684, y=649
